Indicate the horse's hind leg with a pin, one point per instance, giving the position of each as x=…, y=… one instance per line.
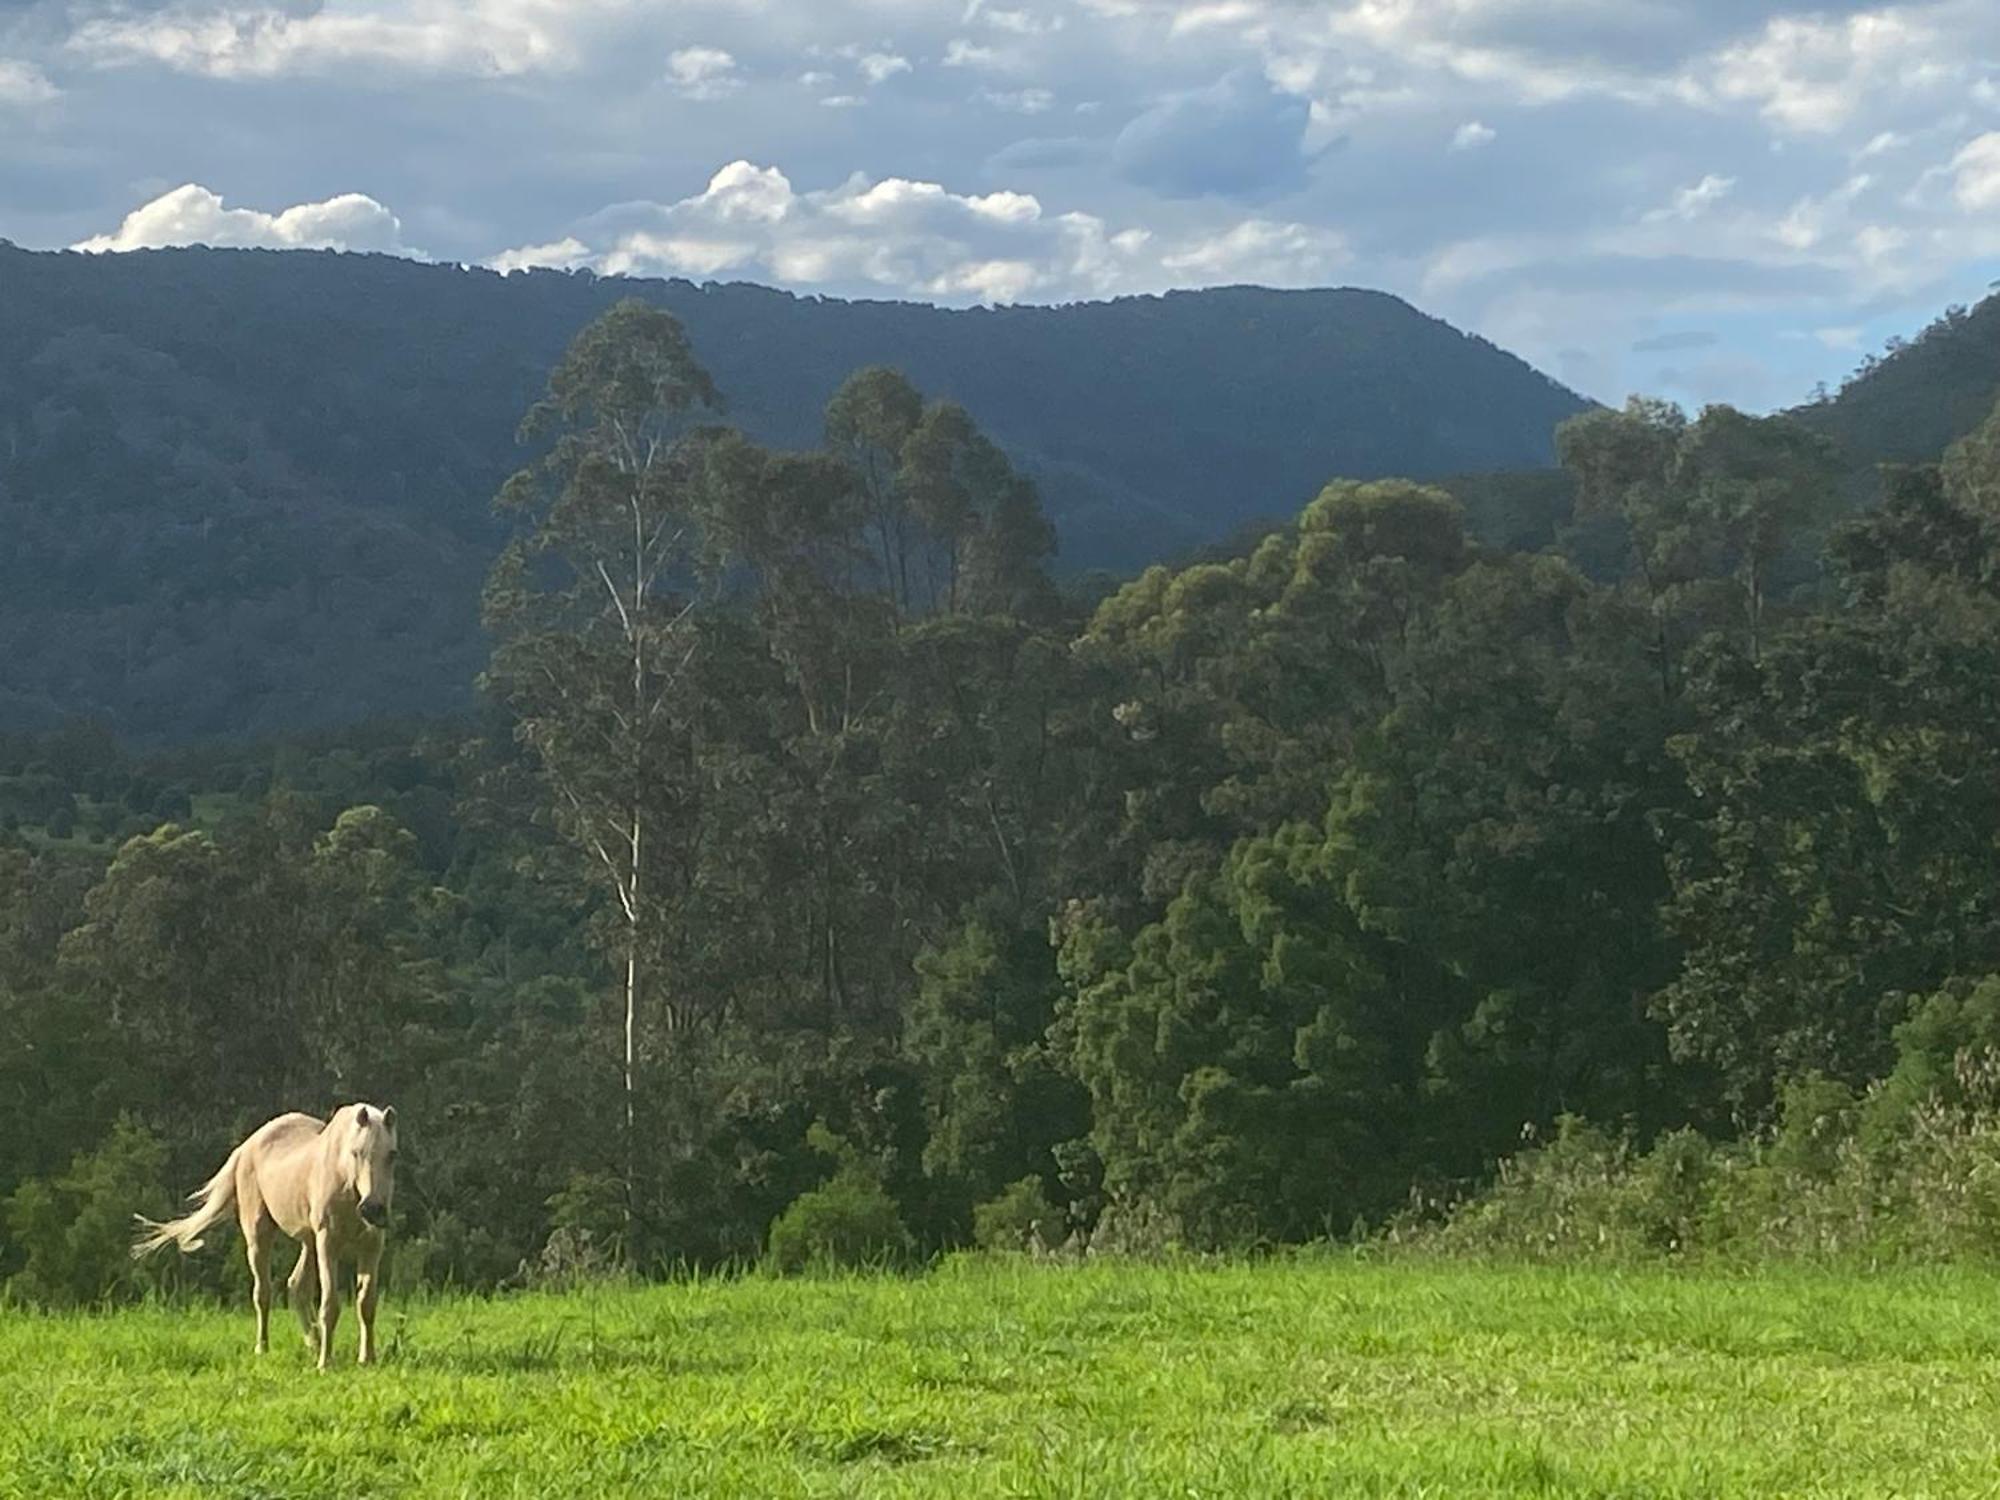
x=257, y=1228
x=329, y=1297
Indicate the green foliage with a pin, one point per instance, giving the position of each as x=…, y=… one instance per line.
x=849, y=1221
x=1908, y=1170
x=1020, y=1218
x=811, y=833
x=72, y=1232
x=1908, y=404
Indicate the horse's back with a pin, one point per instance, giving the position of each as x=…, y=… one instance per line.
x=278, y=1159
x=283, y=1135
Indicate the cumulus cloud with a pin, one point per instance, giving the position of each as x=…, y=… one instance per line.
x=704, y=73
x=1810, y=73
x=920, y=239
x=23, y=84
x=1239, y=137
x=192, y=215
x=960, y=53
x=880, y=67
x=1976, y=173
x=1470, y=135
x=565, y=254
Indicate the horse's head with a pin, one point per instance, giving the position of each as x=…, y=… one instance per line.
x=374, y=1147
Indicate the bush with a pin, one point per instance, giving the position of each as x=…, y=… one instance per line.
x=850, y=1221
x=1562, y=1200
x=75, y=1230
x=1021, y=1218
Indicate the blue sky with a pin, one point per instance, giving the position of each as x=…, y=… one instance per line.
x=1710, y=200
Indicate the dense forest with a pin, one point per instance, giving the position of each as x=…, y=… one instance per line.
x=250, y=490
x=817, y=875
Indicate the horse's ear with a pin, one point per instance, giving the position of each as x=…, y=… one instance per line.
x=389, y=1117
x=361, y=1115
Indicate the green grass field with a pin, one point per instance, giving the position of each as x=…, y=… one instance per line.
x=1314, y=1378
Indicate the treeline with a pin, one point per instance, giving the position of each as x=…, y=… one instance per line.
x=820, y=878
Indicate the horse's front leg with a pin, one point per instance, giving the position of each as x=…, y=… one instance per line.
x=303, y=1288
x=329, y=1296
x=367, y=1292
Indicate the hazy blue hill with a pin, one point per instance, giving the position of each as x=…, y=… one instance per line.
x=243, y=491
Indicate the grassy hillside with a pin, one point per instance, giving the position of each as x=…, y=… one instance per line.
x=1325, y=1378
x=248, y=491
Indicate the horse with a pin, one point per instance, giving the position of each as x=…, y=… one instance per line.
x=326, y=1184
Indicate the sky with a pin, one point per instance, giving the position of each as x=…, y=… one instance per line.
x=1707, y=200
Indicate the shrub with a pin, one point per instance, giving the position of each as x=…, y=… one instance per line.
x=75, y=1230
x=849, y=1221
x=1020, y=1218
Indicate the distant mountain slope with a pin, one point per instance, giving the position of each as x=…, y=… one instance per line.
x=244, y=491
x=1913, y=403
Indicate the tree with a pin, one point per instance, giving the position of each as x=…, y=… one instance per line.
x=594, y=619
x=868, y=422
x=1624, y=467
x=1761, y=481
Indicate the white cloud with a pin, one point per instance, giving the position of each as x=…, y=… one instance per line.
x=1976, y=170
x=1811, y=73
x=1693, y=202
x=1259, y=250
x=492, y=38
x=960, y=53
x=562, y=255
x=842, y=101
x=192, y=215
x=22, y=84
x=704, y=73
x=1810, y=221
x=1021, y=22
x=1470, y=135
x=880, y=67
x=920, y=239
x=1020, y=101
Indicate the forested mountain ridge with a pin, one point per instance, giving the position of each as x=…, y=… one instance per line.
x=249, y=491
x=1920, y=395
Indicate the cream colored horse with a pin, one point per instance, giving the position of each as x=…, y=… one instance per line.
x=326, y=1185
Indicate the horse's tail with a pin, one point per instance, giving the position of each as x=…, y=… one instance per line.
x=214, y=1198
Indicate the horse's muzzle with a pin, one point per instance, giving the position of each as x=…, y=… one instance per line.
x=374, y=1214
